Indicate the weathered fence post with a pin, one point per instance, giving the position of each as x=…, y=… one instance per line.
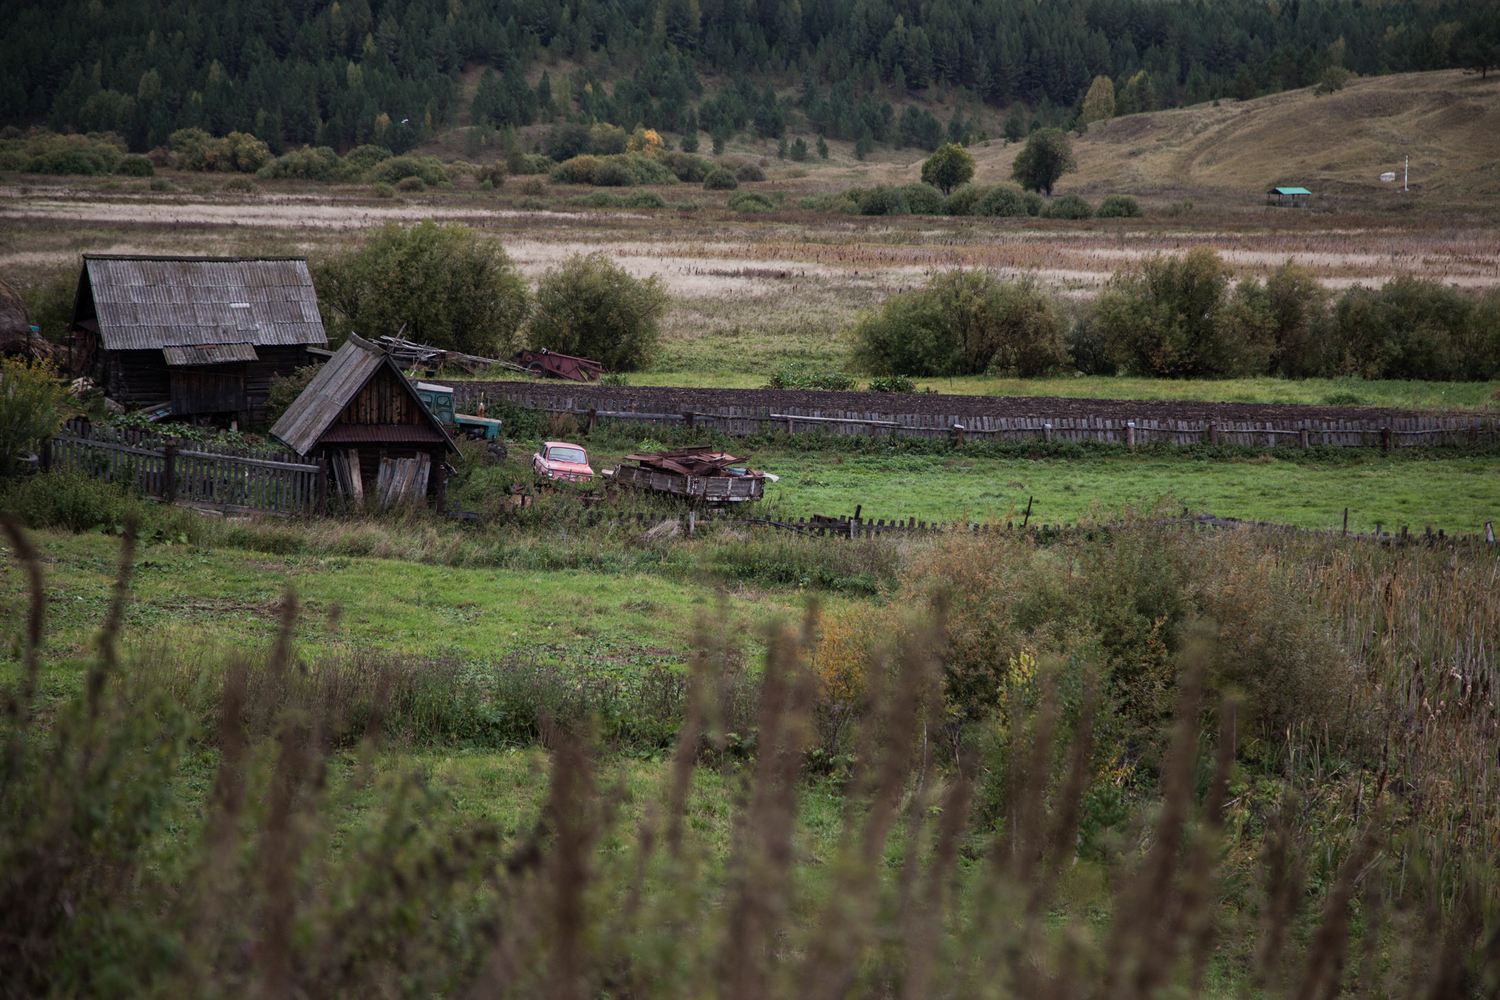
x=958, y=435
x=1047, y=432
x=1346, y=521
x=1130, y=435
x=1302, y=437
x=169, y=471
x=321, y=489
x=1385, y=439
x=1213, y=434
x=592, y=412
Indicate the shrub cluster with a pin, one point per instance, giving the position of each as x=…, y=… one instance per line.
x=1182, y=317
x=963, y=323
x=591, y=307
x=428, y=169
x=720, y=179
x=800, y=375
x=237, y=152
x=750, y=202
x=43, y=152
x=608, y=199
x=615, y=170
x=1178, y=317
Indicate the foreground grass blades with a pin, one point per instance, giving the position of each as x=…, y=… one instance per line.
x=254, y=842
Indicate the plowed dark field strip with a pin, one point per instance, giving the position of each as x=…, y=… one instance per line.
x=673, y=400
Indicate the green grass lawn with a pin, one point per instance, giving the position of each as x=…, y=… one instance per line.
x=1452, y=493
x=202, y=598
x=1317, y=391
x=1445, y=489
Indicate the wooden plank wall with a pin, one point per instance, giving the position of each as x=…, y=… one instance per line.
x=741, y=421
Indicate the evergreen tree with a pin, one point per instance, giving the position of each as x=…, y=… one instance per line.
x=822, y=147
x=1014, y=128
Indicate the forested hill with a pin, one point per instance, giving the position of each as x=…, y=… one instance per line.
x=307, y=71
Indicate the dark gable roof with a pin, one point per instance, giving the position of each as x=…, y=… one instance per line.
x=146, y=303
x=336, y=384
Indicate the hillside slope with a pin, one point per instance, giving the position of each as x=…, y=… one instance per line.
x=1337, y=145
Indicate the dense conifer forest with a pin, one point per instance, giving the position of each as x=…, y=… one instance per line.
x=295, y=72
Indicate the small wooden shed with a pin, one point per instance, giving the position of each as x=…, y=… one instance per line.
x=204, y=335
x=365, y=419
x=1289, y=197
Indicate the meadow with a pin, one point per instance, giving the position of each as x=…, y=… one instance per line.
x=992, y=723
x=550, y=752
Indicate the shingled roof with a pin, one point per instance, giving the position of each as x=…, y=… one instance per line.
x=335, y=385
x=146, y=303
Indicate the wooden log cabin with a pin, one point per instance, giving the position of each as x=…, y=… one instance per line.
x=204, y=335
x=364, y=418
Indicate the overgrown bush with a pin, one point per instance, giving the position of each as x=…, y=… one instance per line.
x=962, y=323
x=1414, y=328
x=923, y=199
x=1162, y=316
x=135, y=166
x=239, y=185
x=236, y=152
x=309, y=163
x=881, y=200
x=446, y=285
x=593, y=308
x=645, y=199
x=750, y=202
x=1068, y=206
x=1000, y=201
x=964, y=198
x=411, y=184
x=47, y=153
x=749, y=172
x=720, y=179
x=429, y=169
x=357, y=164
x=33, y=405
x=892, y=383
x=286, y=388
x=685, y=166
x=801, y=375
x=73, y=501
x=1119, y=206
x=622, y=170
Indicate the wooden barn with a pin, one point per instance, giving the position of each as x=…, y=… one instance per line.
x=201, y=334
x=363, y=416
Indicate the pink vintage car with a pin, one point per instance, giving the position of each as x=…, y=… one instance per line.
x=561, y=460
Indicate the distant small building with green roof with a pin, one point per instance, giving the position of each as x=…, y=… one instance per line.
x=1289, y=196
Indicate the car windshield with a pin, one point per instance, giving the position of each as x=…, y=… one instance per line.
x=574, y=455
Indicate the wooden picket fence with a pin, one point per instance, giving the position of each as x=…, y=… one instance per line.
x=1383, y=433
x=189, y=473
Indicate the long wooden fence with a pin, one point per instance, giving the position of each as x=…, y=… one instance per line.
x=189, y=472
x=1386, y=433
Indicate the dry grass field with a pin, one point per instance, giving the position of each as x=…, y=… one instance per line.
x=752, y=291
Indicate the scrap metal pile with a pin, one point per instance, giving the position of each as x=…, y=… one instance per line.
x=698, y=473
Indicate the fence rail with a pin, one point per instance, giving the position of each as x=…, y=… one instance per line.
x=1385, y=433
x=200, y=475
